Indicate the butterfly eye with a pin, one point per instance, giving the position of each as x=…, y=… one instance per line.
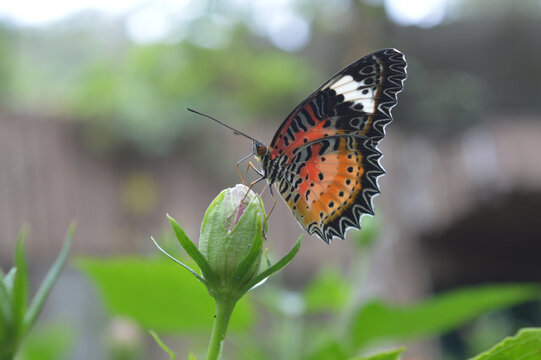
x=261, y=150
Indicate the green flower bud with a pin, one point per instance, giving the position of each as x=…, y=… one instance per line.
x=232, y=223
x=231, y=246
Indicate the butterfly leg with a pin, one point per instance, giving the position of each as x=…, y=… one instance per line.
x=265, y=223
x=246, y=173
x=251, y=165
x=272, y=207
x=250, y=187
x=238, y=170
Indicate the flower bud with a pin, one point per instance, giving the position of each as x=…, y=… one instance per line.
x=231, y=224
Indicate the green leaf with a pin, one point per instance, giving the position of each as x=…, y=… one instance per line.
x=162, y=344
x=276, y=267
x=442, y=313
x=191, y=356
x=197, y=276
x=328, y=291
x=194, y=253
x=328, y=350
x=5, y=301
x=9, y=279
x=526, y=345
x=5, y=313
x=6, y=307
x=20, y=283
x=49, y=281
x=386, y=355
x=157, y=295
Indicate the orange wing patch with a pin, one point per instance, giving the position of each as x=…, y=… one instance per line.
x=326, y=178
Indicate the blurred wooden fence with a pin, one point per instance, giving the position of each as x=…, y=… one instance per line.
x=48, y=179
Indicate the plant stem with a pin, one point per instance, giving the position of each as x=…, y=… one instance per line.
x=224, y=309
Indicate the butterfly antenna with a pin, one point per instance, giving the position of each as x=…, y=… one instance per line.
x=237, y=132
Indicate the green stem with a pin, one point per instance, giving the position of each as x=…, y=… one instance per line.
x=224, y=309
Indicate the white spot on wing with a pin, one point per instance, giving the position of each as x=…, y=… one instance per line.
x=342, y=81
x=347, y=87
x=342, y=87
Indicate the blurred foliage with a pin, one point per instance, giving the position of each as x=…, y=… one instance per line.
x=388, y=355
x=47, y=342
x=438, y=315
x=18, y=311
x=486, y=331
x=328, y=291
x=526, y=345
x=137, y=94
x=325, y=320
x=297, y=332
x=225, y=61
x=163, y=346
x=143, y=96
x=157, y=295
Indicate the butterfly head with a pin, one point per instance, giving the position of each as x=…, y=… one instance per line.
x=259, y=150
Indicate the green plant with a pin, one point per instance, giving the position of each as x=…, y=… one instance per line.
x=327, y=320
x=324, y=321
x=16, y=316
x=229, y=255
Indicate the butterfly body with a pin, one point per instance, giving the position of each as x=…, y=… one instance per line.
x=324, y=158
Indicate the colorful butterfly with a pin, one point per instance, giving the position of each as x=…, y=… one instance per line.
x=324, y=158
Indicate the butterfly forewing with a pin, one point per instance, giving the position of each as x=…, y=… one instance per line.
x=357, y=100
x=324, y=157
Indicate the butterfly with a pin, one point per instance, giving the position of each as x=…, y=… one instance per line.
x=324, y=158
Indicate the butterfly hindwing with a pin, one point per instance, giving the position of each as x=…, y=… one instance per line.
x=330, y=182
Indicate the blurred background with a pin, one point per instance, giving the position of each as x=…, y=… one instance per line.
x=93, y=127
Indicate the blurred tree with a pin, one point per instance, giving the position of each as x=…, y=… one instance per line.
x=142, y=97
x=129, y=84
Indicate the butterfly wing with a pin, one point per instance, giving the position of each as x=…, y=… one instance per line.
x=330, y=182
x=324, y=156
x=357, y=100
